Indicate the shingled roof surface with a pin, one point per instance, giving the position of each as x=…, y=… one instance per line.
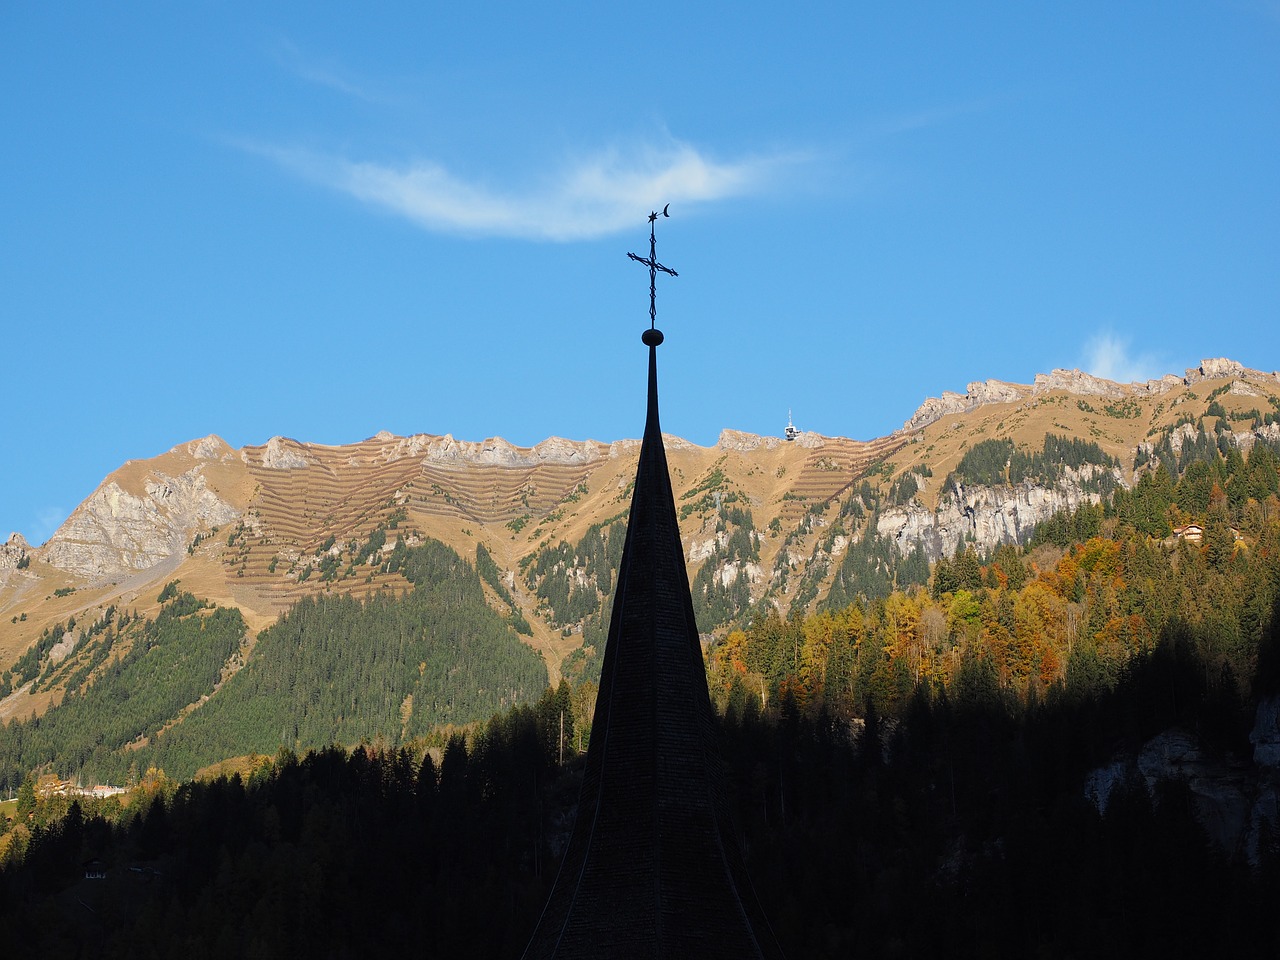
x=653, y=867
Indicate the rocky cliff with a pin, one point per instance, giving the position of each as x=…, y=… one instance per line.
x=987, y=515
x=1237, y=799
x=143, y=515
x=1125, y=420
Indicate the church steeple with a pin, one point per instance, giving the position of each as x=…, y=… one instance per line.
x=653, y=868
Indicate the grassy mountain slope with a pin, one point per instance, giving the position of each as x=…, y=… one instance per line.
x=259, y=529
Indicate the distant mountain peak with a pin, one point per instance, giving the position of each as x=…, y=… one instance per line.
x=1075, y=381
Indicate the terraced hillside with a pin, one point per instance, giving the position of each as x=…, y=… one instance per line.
x=763, y=519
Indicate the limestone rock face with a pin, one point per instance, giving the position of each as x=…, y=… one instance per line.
x=699, y=550
x=1072, y=381
x=978, y=394
x=209, y=448
x=498, y=452
x=995, y=391
x=1163, y=385
x=1077, y=381
x=282, y=453
x=1265, y=736
x=746, y=442
x=1237, y=802
x=11, y=553
x=116, y=532
x=397, y=448
x=729, y=573
x=810, y=440
x=672, y=442
x=622, y=448
x=1181, y=435
x=1264, y=817
x=935, y=408
x=992, y=515
x=64, y=647
x=1218, y=367
x=1221, y=790
x=560, y=450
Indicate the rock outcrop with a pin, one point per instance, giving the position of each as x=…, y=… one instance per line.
x=1078, y=382
x=14, y=553
x=988, y=515
x=211, y=447
x=1264, y=816
x=1212, y=369
x=280, y=453
x=746, y=442
x=1071, y=381
x=116, y=532
x=1236, y=801
x=498, y=452
x=397, y=448
x=976, y=395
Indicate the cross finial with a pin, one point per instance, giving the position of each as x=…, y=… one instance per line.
x=653, y=336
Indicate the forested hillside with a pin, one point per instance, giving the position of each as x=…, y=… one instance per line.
x=1092, y=590
x=188, y=689
x=122, y=688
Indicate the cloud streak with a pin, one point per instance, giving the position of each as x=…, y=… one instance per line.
x=591, y=198
x=1107, y=356
x=46, y=523
x=932, y=117
x=323, y=75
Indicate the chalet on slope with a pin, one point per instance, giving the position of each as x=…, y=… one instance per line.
x=1191, y=532
x=653, y=868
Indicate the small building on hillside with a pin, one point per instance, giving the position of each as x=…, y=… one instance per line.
x=1191, y=532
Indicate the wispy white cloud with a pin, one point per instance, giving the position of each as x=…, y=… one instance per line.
x=931, y=116
x=588, y=198
x=1107, y=355
x=328, y=75
x=46, y=523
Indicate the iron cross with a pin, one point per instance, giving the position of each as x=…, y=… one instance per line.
x=654, y=266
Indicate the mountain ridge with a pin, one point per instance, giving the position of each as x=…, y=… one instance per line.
x=260, y=527
x=984, y=392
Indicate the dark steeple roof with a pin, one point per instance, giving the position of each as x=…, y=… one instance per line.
x=653, y=868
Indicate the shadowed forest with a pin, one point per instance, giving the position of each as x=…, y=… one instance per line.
x=959, y=826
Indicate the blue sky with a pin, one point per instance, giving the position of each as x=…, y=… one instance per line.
x=323, y=222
